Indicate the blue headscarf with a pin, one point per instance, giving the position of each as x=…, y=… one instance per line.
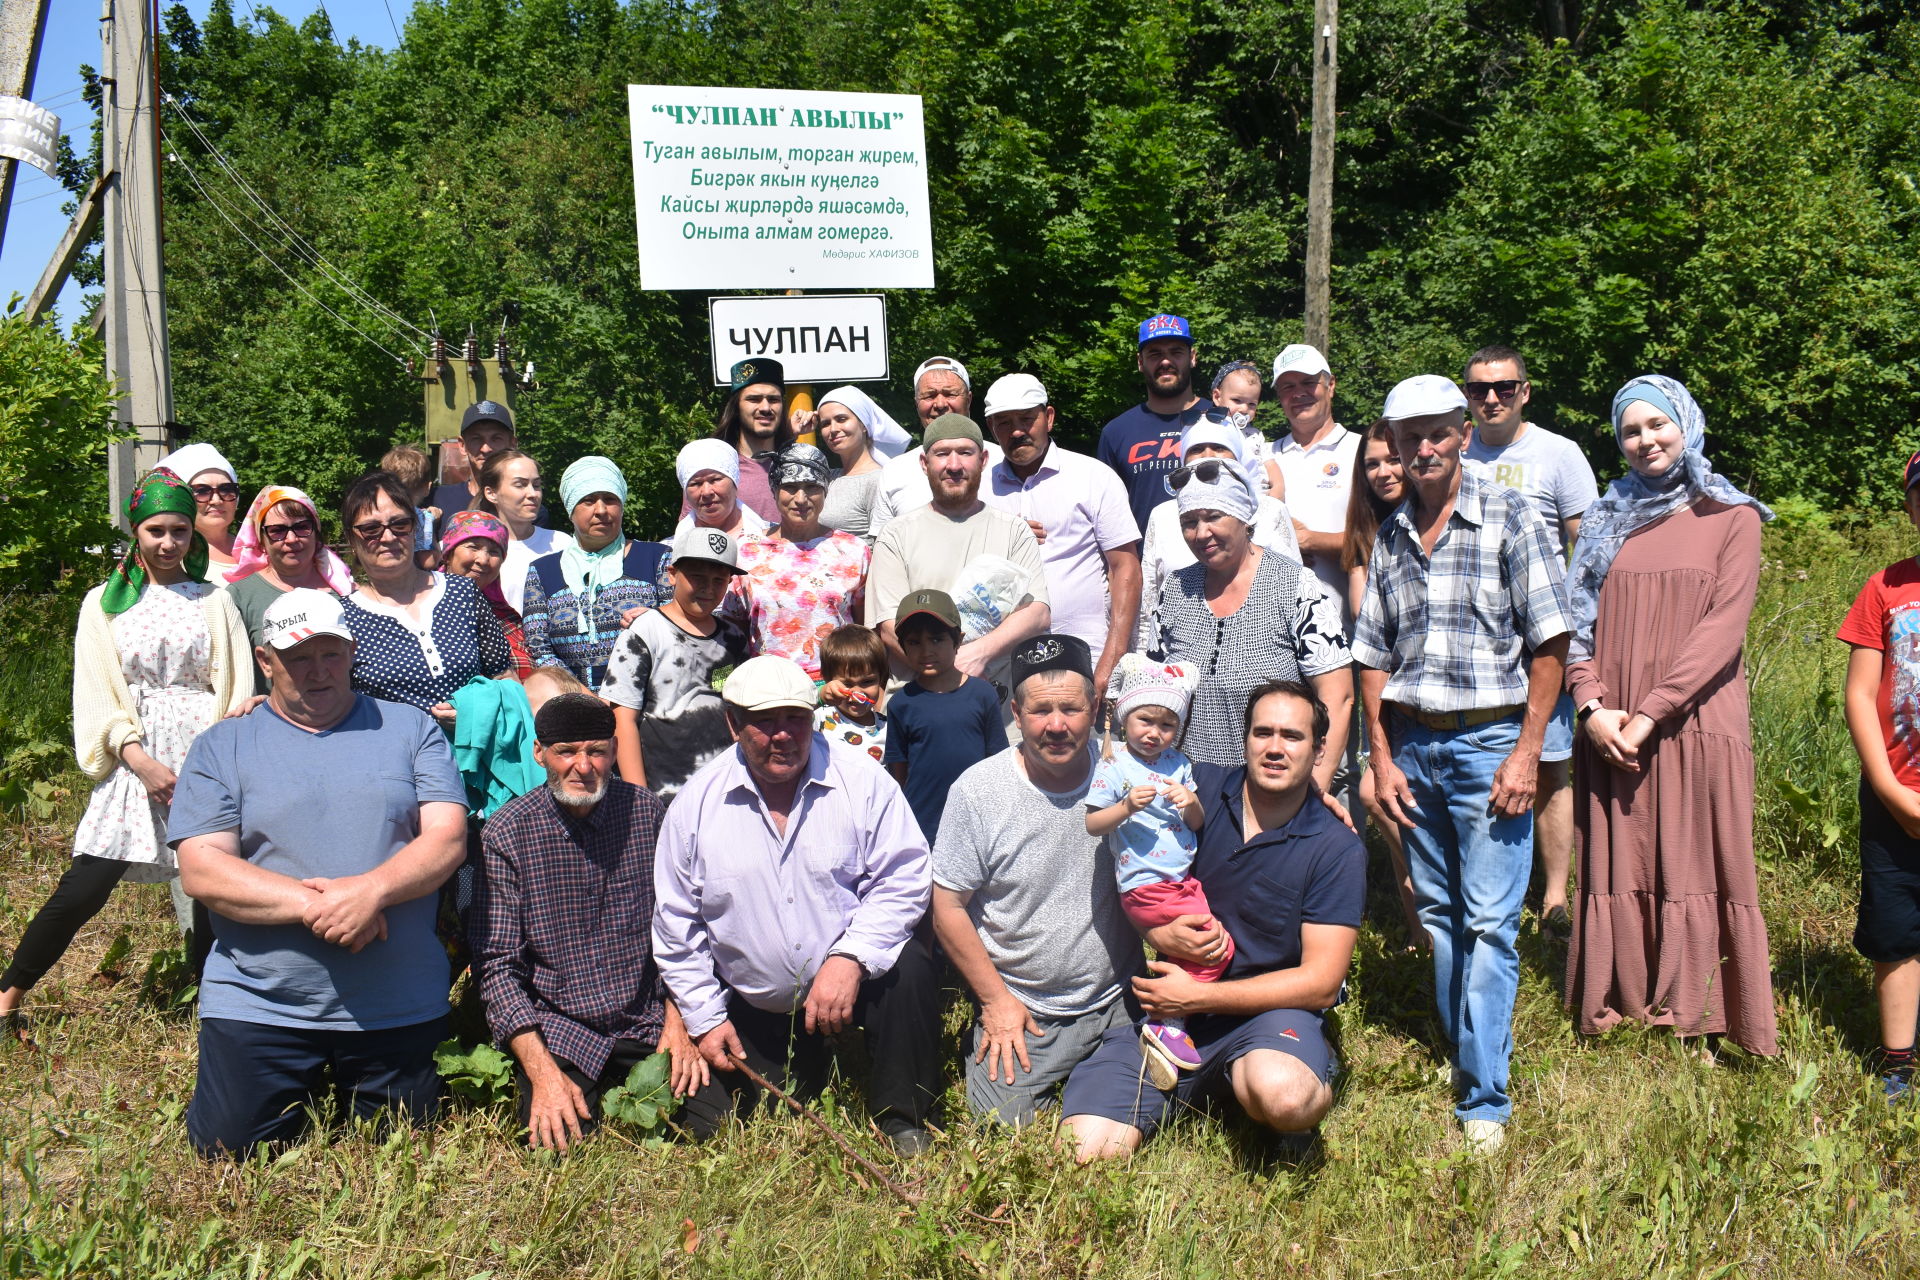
x=1634, y=501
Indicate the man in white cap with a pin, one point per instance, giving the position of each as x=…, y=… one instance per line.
x=1465, y=580
x=317, y=831
x=1553, y=474
x=1089, y=541
x=1318, y=459
x=941, y=385
x=791, y=882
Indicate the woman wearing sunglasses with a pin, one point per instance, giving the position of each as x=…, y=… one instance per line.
x=216, y=499
x=1242, y=615
x=417, y=635
x=279, y=548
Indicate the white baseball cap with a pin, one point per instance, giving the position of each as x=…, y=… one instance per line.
x=717, y=545
x=1013, y=393
x=1300, y=358
x=1422, y=396
x=768, y=681
x=943, y=364
x=300, y=615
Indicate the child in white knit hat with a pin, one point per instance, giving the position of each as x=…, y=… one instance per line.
x=1142, y=800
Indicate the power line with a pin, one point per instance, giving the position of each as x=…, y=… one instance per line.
x=391, y=22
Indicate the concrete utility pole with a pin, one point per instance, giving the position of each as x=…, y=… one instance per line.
x=135, y=304
x=1326, y=68
x=21, y=22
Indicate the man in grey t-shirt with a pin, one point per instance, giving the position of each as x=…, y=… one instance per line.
x=1024, y=900
x=316, y=830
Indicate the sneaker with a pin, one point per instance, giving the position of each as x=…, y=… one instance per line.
x=1557, y=924
x=909, y=1141
x=1484, y=1137
x=1896, y=1085
x=1168, y=1052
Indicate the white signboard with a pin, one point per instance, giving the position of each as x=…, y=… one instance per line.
x=779, y=189
x=816, y=338
x=31, y=134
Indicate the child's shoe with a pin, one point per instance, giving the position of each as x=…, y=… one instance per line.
x=1895, y=1069
x=1169, y=1051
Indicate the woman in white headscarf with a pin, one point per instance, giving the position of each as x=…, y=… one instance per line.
x=1165, y=550
x=216, y=499
x=709, y=475
x=860, y=436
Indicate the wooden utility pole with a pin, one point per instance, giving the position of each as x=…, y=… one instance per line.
x=21, y=22
x=134, y=304
x=1326, y=67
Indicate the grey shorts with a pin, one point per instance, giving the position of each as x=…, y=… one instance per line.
x=1053, y=1056
x=1559, y=741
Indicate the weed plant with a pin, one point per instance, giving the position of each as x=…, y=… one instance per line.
x=1628, y=1157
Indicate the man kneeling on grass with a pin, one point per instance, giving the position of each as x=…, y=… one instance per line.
x=317, y=831
x=563, y=933
x=1287, y=882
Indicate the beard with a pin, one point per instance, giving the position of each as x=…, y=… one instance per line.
x=566, y=801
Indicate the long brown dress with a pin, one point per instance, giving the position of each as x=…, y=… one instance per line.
x=1669, y=929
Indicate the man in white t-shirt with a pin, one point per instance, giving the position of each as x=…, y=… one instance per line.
x=1318, y=460
x=1089, y=542
x=1552, y=474
x=941, y=386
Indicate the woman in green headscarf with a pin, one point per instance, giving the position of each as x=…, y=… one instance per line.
x=160, y=654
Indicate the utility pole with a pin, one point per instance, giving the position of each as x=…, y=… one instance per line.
x=21, y=22
x=134, y=305
x=1326, y=67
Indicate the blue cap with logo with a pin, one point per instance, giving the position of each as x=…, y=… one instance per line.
x=1165, y=326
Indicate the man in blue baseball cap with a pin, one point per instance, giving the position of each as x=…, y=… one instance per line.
x=1143, y=444
x=486, y=428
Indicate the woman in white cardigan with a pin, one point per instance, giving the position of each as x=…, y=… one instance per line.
x=160, y=654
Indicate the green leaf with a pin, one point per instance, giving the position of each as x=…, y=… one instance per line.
x=481, y=1075
x=646, y=1099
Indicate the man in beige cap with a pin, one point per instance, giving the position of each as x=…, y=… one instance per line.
x=790, y=880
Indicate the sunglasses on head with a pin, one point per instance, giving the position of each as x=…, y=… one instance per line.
x=1206, y=471
x=207, y=492
x=1506, y=389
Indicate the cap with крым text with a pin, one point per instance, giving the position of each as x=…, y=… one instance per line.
x=934, y=604
x=1300, y=358
x=716, y=546
x=486, y=411
x=1425, y=395
x=747, y=373
x=1014, y=393
x=1154, y=328
x=768, y=681
x=300, y=615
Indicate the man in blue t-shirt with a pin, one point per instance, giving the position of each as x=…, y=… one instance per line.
x=316, y=830
x=1143, y=444
x=1287, y=883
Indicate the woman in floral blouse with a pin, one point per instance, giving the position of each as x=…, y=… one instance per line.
x=802, y=580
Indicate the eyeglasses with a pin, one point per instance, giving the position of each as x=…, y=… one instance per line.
x=1206, y=471
x=372, y=530
x=1506, y=389
x=207, y=492
x=281, y=532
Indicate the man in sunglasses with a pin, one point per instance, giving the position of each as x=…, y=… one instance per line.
x=1553, y=474
x=1465, y=580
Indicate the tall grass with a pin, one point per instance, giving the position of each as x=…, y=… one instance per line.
x=1627, y=1157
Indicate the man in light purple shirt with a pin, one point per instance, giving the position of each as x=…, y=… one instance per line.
x=1079, y=511
x=792, y=881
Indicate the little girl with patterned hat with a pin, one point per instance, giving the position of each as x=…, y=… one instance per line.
x=1142, y=799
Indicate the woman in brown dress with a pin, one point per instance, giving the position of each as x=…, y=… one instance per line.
x=1668, y=930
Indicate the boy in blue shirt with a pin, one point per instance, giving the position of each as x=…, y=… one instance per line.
x=943, y=721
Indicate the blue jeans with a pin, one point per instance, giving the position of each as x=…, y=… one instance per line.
x=1469, y=872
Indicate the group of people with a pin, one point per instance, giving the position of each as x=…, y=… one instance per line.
x=882, y=714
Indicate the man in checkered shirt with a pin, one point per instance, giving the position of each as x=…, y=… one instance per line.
x=1463, y=644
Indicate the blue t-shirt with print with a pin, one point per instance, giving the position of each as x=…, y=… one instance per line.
x=1155, y=844
x=940, y=736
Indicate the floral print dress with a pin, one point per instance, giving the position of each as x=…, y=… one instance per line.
x=794, y=594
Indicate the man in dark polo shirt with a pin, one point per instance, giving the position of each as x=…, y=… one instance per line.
x=1287, y=881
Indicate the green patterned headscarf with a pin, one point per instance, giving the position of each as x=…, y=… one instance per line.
x=159, y=492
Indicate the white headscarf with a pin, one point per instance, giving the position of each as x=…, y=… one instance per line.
x=707, y=454
x=189, y=460
x=1231, y=493
x=889, y=439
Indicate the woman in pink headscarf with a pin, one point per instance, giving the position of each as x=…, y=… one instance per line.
x=474, y=545
x=280, y=547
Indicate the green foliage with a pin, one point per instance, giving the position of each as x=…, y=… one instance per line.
x=55, y=424
x=481, y=1074
x=646, y=1099
x=35, y=683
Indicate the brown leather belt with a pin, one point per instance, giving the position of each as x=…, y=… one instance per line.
x=1443, y=721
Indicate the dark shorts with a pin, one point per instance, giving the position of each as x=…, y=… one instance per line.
x=256, y=1082
x=1889, y=922
x=1112, y=1085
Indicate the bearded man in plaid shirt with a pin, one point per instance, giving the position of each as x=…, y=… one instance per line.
x=1463, y=637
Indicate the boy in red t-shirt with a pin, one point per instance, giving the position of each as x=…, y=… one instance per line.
x=1883, y=714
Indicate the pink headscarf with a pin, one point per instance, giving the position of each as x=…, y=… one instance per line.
x=250, y=549
x=465, y=525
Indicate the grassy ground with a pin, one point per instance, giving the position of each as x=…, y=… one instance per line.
x=1627, y=1157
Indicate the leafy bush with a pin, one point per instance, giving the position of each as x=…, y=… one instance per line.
x=646, y=1099
x=481, y=1075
